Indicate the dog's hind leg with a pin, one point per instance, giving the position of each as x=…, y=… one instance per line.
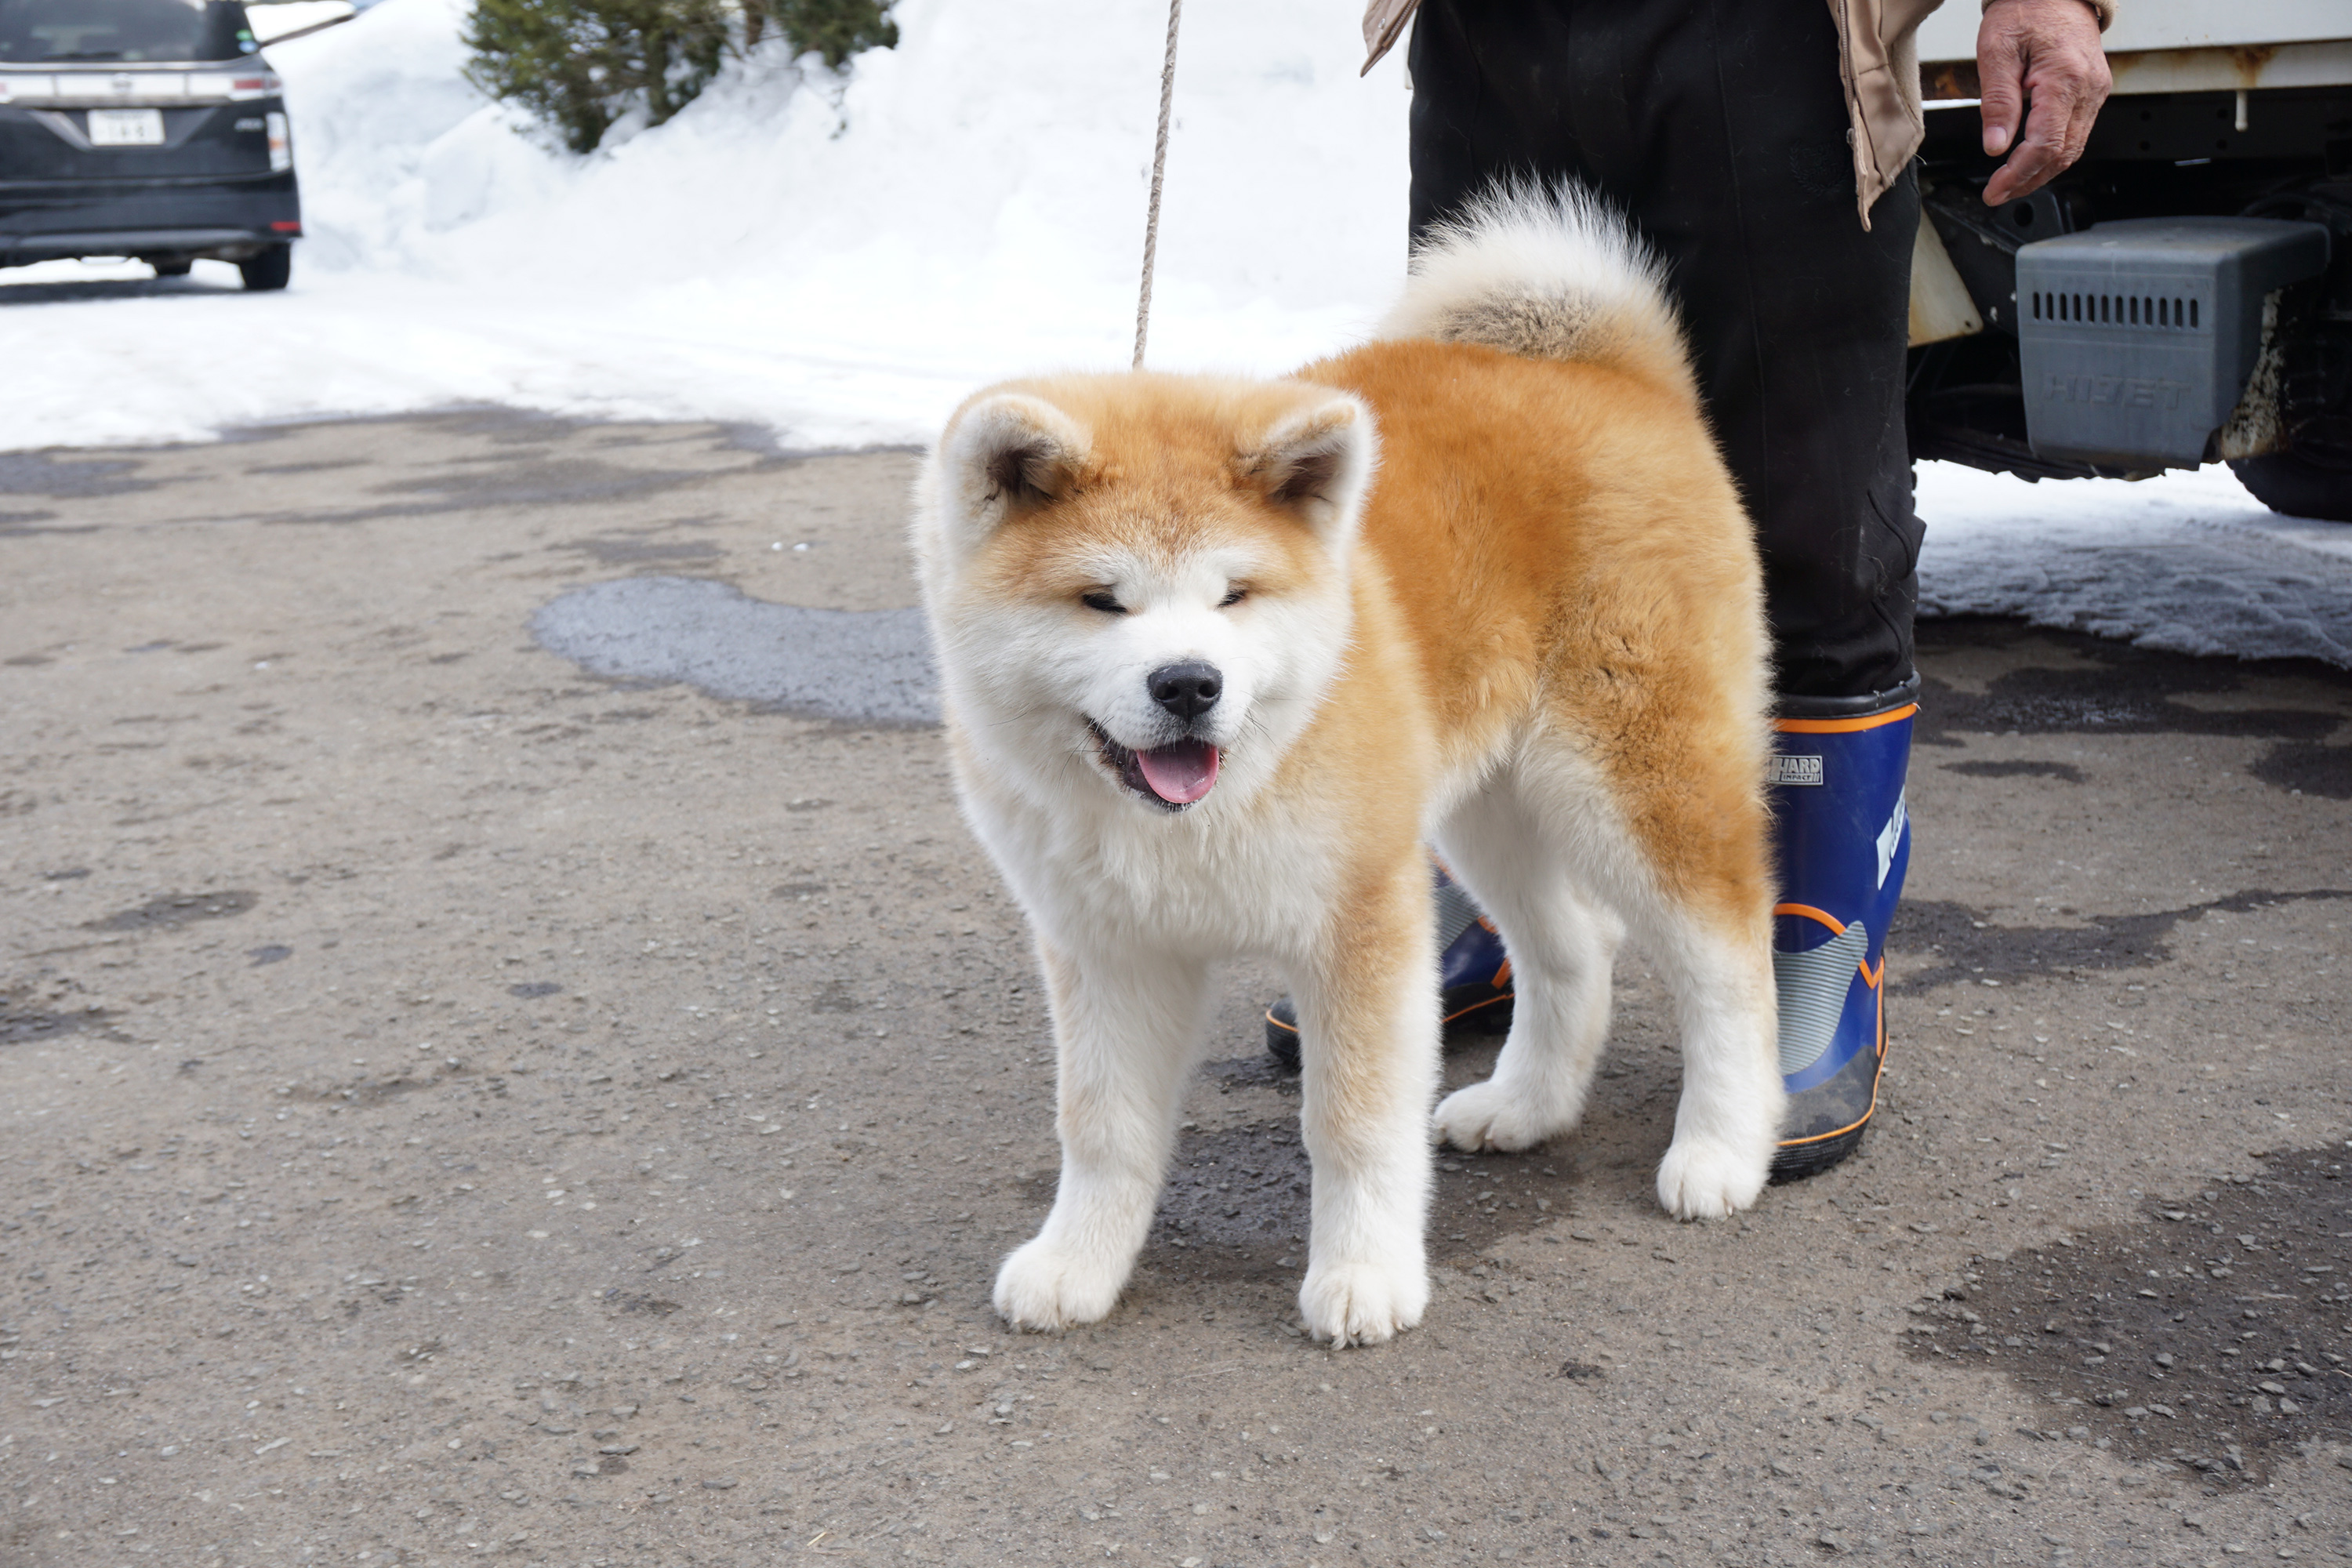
x=1562, y=946
x=1720, y=971
x=1368, y=1048
x=1682, y=859
x=1127, y=1029
x=1693, y=871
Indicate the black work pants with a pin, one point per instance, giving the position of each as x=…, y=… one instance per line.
x=1720, y=127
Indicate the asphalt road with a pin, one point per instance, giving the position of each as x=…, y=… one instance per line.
x=464, y=1098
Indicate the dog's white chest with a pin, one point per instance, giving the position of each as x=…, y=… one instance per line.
x=1092, y=878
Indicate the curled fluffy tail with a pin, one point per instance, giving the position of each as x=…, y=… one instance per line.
x=1547, y=274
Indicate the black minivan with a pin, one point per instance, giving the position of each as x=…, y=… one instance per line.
x=149, y=129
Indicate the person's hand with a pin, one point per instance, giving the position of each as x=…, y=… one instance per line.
x=2048, y=49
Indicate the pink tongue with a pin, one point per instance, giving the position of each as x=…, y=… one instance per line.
x=1181, y=773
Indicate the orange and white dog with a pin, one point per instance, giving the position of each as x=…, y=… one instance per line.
x=1221, y=659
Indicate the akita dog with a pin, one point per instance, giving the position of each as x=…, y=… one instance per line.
x=1222, y=660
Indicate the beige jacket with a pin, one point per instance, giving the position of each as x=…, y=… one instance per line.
x=1877, y=58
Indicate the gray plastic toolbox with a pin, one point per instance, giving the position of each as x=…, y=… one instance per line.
x=2138, y=337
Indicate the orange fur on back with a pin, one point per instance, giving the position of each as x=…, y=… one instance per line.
x=1563, y=537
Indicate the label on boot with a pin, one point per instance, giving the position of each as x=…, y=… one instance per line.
x=1890, y=840
x=1797, y=770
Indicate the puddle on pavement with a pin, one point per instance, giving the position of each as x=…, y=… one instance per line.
x=176, y=909
x=69, y=474
x=869, y=667
x=1939, y=943
x=2096, y=687
x=2215, y=1333
x=20, y=1022
x=2065, y=771
x=326, y=464
x=21, y=525
x=377, y=1090
x=2126, y=701
x=2307, y=767
x=536, y=481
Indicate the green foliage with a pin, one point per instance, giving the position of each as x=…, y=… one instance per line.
x=834, y=29
x=580, y=65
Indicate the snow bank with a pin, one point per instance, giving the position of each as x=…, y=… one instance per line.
x=841, y=258
x=2189, y=563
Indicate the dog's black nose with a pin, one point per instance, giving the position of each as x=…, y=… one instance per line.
x=1187, y=689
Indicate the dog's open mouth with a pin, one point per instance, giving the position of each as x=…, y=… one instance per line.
x=1172, y=776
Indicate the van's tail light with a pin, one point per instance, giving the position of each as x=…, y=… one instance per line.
x=281, y=145
x=216, y=85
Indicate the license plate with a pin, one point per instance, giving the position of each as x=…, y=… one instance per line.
x=126, y=128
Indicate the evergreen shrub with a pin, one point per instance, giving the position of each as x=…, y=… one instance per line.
x=834, y=29
x=578, y=65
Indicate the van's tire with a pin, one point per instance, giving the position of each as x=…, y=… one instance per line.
x=270, y=269
x=172, y=269
x=2299, y=484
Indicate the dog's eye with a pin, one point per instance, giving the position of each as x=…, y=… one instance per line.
x=1108, y=604
x=1234, y=595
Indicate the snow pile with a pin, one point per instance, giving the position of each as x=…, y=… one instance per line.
x=841, y=258
x=2188, y=563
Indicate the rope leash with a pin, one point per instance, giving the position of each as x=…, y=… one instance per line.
x=1159, y=169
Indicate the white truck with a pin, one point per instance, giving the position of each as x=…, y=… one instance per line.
x=2183, y=294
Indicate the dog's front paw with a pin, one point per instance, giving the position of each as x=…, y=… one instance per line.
x=1488, y=1116
x=1362, y=1303
x=1041, y=1287
x=1704, y=1180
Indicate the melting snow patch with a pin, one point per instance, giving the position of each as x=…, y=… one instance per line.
x=2188, y=563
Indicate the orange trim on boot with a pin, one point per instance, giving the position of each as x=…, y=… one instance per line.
x=1811, y=914
x=1473, y=1007
x=1843, y=726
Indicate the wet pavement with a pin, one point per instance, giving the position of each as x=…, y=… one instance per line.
x=859, y=666
x=2226, y=1354
x=472, y=1091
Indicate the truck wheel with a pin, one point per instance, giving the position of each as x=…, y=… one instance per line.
x=170, y=268
x=2299, y=484
x=270, y=269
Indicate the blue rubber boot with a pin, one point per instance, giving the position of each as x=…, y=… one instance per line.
x=1844, y=841
x=1473, y=976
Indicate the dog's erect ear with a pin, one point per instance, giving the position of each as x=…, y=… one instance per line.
x=1317, y=461
x=1009, y=453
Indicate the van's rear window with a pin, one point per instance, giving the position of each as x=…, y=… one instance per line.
x=61, y=32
